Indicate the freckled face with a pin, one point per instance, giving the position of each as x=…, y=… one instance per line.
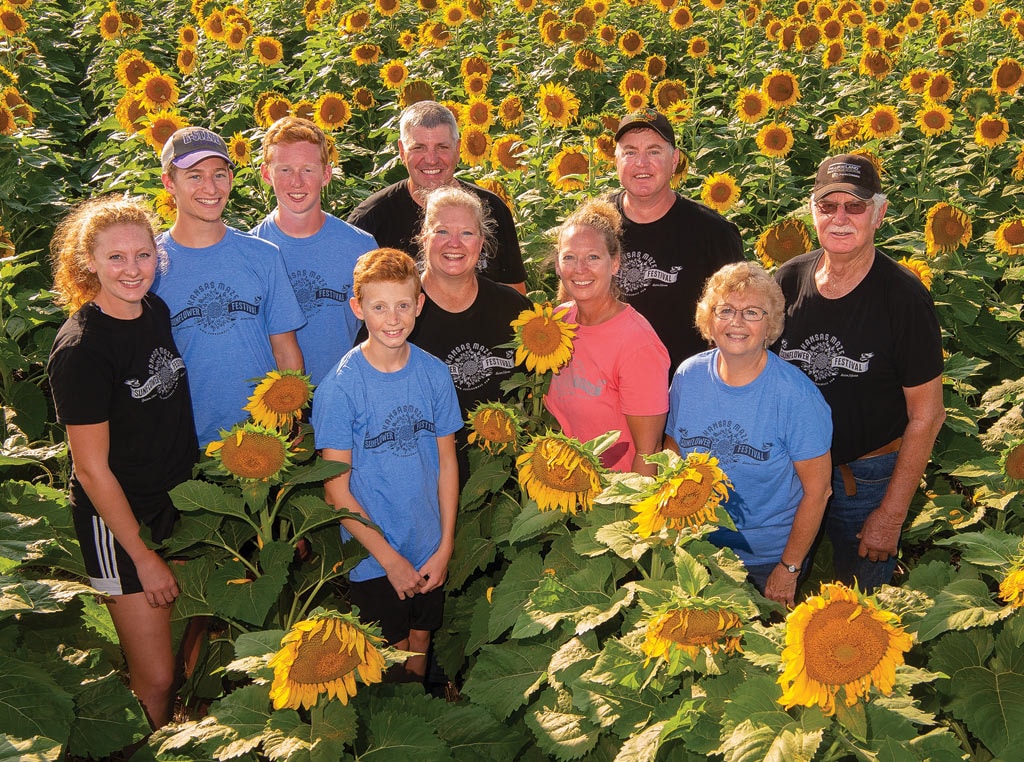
x=297, y=175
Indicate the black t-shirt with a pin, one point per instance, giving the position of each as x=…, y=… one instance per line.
x=128, y=373
x=393, y=218
x=665, y=264
x=861, y=349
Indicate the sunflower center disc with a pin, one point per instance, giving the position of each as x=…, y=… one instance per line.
x=542, y=336
x=318, y=662
x=838, y=651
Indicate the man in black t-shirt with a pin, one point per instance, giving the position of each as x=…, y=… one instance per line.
x=428, y=145
x=670, y=244
x=864, y=329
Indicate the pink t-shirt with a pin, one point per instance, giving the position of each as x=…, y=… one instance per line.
x=618, y=368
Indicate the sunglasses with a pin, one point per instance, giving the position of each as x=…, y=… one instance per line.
x=852, y=208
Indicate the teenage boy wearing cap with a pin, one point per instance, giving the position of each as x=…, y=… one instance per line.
x=233, y=311
x=864, y=329
x=670, y=244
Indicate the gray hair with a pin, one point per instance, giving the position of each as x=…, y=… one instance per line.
x=428, y=114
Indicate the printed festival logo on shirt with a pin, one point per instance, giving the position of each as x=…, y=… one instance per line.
x=312, y=291
x=165, y=370
x=400, y=431
x=726, y=440
x=639, y=270
x=214, y=307
x=472, y=365
x=823, y=358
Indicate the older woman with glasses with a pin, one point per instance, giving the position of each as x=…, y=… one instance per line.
x=768, y=426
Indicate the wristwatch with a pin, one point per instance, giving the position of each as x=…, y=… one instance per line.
x=791, y=568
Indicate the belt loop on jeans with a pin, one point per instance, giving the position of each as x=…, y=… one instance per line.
x=849, y=483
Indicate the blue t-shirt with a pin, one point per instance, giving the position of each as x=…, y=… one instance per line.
x=391, y=422
x=226, y=301
x=320, y=269
x=757, y=432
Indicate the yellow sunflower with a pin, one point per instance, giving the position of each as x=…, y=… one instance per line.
x=669, y=92
x=474, y=145
x=920, y=269
x=454, y=14
x=331, y=112
x=235, y=37
x=363, y=98
x=720, y=191
x=948, y=39
x=158, y=91
x=160, y=126
x=782, y=241
x=680, y=18
x=479, y=112
x=267, y=50
x=916, y=80
x=934, y=119
x=186, y=61
x=1011, y=588
x=587, y=60
x=476, y=65
x=130, y=67
x=751, y=105
x=875, y=63
x=833, y=29
x=575, y=33
x=1009, y=237
x=12, y=23
x=304, y=109
x=166, y=206
x=606, y=34
x=543, y=338
x=387, y=8
x=250, y=452
x=880, y=122
x=214, y=26
x=781, y=88
x=685, y=496
x=11, y=98
x=324, y=654
x=7, y=124
x=510, y=111
x=1018, y=170
x=407, y=40
x=475, y=85
x=698, y=47
x=494, y=427
x=569, y=169
x=365, y=54
x=834, y=54
x=557, y=104
x=188, y=37
x=1012, y=462
x=280, y=395
x=356, y=20
x=634, y=100
x=839, y=640
x=414, y=91
x=991, y=130
x=393, y=74
x=690, y=629
x=655, y=66
x=240, y=149
x=110, y=24
x=634, y=80
x=559, y=473
x=808, y=36
x=946, y=228
x=507, y=153
x=775, y=140
x=631, y=43
x=940, y=86
x=274, y=108
x=605, y=147
x=131, y=113
x=550, y=32
x=843, y=131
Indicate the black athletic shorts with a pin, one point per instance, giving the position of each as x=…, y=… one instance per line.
x=378, y=602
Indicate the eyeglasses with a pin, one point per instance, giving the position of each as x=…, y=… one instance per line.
x=749, y=315
x=852, y=208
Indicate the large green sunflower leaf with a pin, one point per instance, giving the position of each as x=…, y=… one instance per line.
x=487, y=478
x=962, y=604
x=504, y=677
x=203, y=496
x=43, y=596
x=561, y=731
x=22, y=536
x=587, y=597
x=232, y=594
x=642, y=746
x=986, y=548
x=107, y=717
x=509, y=595
x=245, y=711
x=35, y=749
x=287, y=737
x=472, y=734
x=472, y=551
x=532, y=521
x=333, y=728
x=317, y=472
x=193, y=529
x=31, y=702
x=395, y=736
x=309, y=512
x=755, y=727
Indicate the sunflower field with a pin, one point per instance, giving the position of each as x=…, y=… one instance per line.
x=588, y=617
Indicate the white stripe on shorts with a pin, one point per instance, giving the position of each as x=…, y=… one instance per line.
x=109, y=582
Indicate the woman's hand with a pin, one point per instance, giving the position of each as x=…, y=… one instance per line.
x=158, y=582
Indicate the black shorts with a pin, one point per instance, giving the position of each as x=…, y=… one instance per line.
x=110, y=568
x=378, y=602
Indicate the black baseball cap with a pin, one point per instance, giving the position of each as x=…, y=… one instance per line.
x=847, y=173
x=649, y=118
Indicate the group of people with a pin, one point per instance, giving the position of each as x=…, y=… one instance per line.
x=820, y=395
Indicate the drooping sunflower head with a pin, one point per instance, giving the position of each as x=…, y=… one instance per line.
x=1009, y=239
x=720, y=191
x=251, y=453
x=782, y=241
x=494, y=427
x=687, y=495
x=323, y=655
x=279, y=398
x=946, y=228
x=683, y=631
x=920, y=269
x=840, y=640
x=559, y=473
x=543, y=339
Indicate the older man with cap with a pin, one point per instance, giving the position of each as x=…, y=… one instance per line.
x=428, y=145
x=670, y=244
x=864, y=329
x=233, y=311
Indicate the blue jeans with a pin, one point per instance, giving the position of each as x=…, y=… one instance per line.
x=846, y=515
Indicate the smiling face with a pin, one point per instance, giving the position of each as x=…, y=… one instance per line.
x=584, y=265
x=645, y=162
x=430, y=154
x=846, y=235
x=201, y=191
x=453, y=243
x=297, y=174
x=389, y=309
x=738, y=338
x=124, y=259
